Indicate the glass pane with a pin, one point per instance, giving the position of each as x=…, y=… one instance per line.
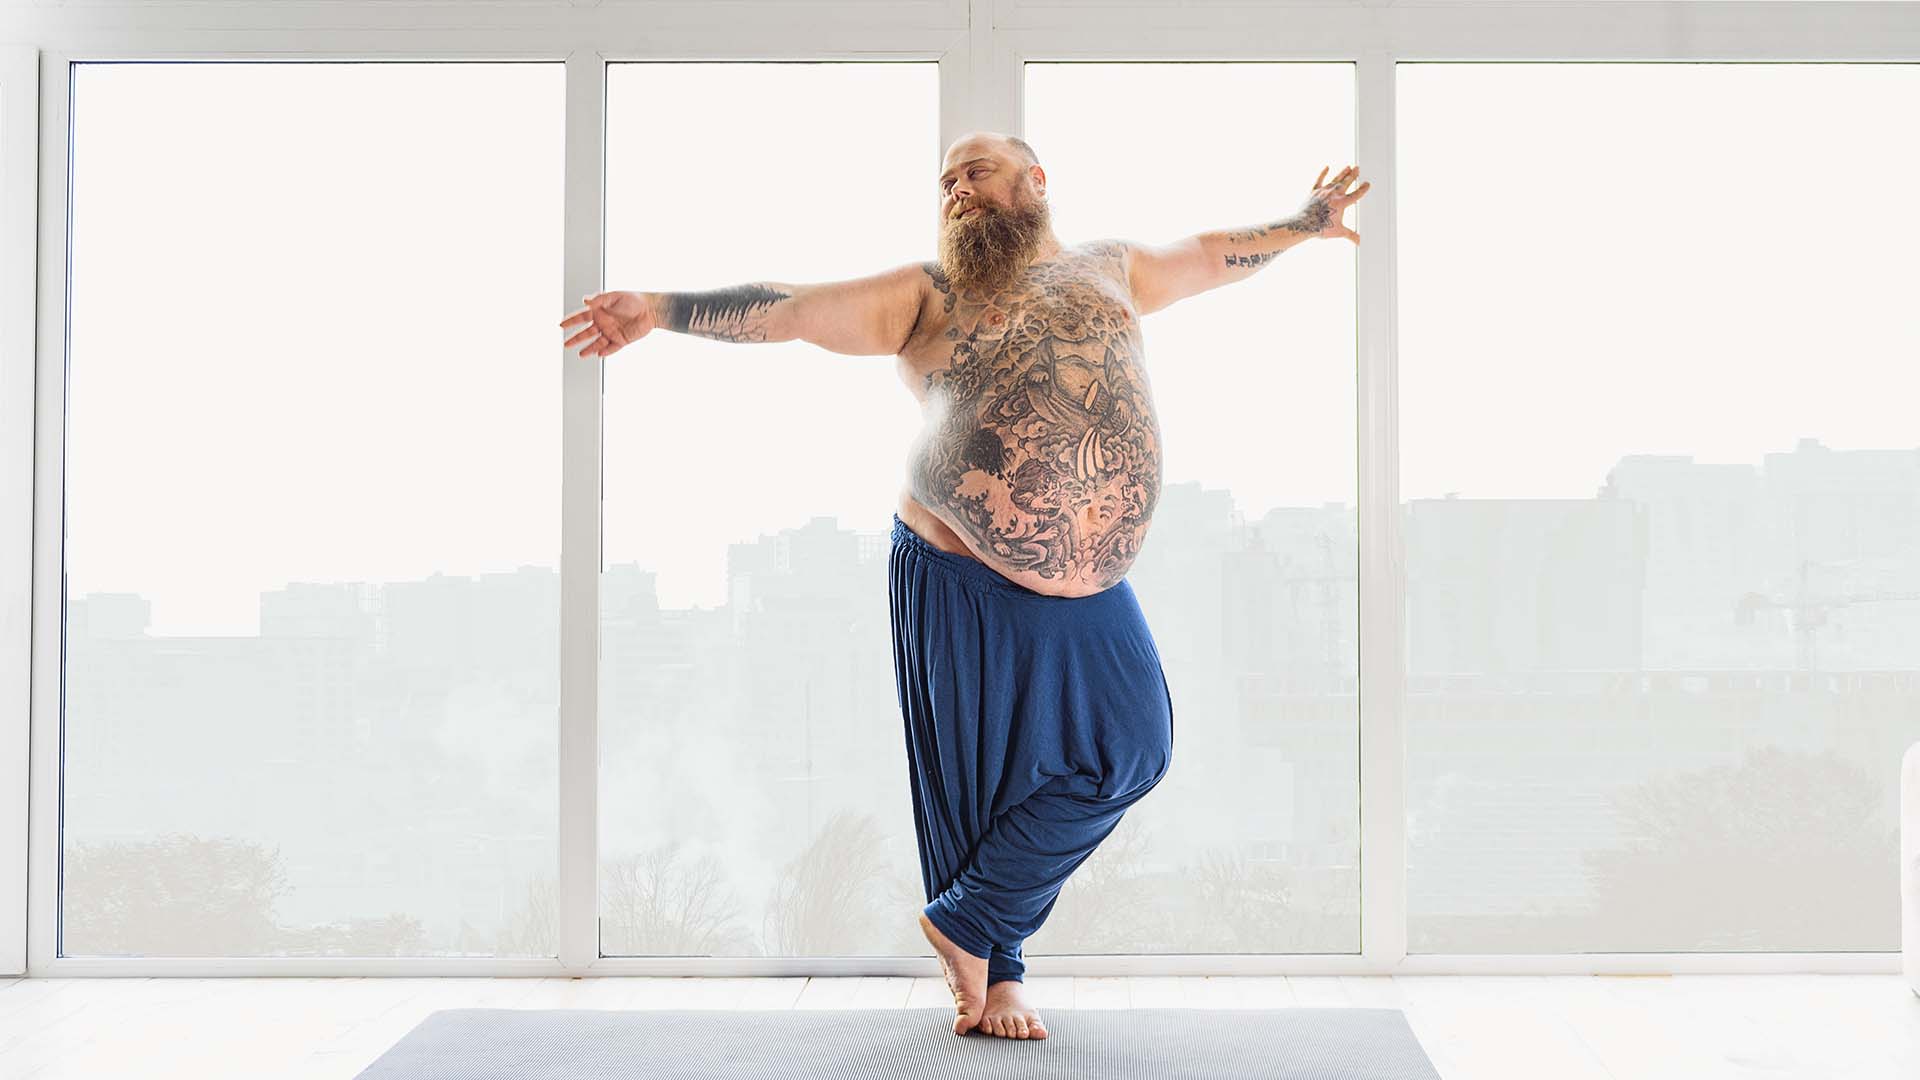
x=753, y=799
x=1661, y=659
x=1248, y=574
x=312, y=499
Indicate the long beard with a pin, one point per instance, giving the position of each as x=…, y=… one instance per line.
x=984, y=252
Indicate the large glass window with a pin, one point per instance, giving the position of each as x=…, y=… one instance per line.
x=753, y=792
x=1660, y=671
x=1248, y=572
x=1662, y=503
x=312, y=502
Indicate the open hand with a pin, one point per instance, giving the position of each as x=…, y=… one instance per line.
x=619, y=319
x=1330, y=200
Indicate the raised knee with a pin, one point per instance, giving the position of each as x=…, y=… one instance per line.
x=1166, y=762
x=1150, y=780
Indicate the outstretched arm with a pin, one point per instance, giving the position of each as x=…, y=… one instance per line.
x=866, y=316
x=1161, y=275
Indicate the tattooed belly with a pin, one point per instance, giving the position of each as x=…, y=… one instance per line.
x=1051, y=478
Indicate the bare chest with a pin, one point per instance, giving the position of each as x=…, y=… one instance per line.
x=1040, y=446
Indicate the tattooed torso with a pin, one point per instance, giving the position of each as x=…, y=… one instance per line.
x=1041, y=448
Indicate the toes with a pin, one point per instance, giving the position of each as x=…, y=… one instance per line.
x=1020, y=1026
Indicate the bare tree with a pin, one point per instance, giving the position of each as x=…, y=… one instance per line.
x=1265, y=905
x=1783, y=851
x=176, y=895
x=1238, y=904
x=654, y=903
x=832, y=900
x=534, y=930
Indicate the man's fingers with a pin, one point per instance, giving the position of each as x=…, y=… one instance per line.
x=580, y=337
x=1340, y=179
x=583, y=312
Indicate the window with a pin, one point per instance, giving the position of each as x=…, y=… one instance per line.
x=1661, y=486
x=754, y=797
x=312, y=499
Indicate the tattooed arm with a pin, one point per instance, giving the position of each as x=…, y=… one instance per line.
x=757, y=311
x=869, y=316
x=1208, y=260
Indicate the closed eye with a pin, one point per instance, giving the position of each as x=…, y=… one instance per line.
x=945, y=184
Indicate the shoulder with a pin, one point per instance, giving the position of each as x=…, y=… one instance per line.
x=929, y=281
x=1114, y=254
x=934, y=282
x=1119, y=253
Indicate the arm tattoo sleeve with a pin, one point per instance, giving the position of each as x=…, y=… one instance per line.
x=737, y=313
x=1242, y=251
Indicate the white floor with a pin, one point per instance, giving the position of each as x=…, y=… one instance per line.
x=1536, y=1027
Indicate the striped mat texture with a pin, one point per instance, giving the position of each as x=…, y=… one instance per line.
x=904, y=1044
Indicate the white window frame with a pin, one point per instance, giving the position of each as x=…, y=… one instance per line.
x=981, y=47
x=19, y=179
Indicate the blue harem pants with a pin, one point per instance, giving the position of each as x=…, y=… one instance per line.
x=1033, y=722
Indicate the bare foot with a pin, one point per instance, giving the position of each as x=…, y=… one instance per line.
x=1008, y=1015
x=966, y=976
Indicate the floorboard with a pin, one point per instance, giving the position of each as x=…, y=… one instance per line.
x=1474, y=1027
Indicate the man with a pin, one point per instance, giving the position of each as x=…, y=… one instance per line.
x=1035, y=705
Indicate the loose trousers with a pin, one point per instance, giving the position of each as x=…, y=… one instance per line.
x=1033, y=722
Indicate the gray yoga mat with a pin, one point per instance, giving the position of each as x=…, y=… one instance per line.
x=904, y=1044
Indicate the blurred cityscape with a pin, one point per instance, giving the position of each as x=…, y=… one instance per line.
x=1668, y=717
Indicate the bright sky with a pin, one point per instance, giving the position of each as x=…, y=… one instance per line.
x=1605, y=259
x=313, y=318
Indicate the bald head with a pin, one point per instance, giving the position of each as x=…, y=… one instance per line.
x=1016, y=147
x=1013, y=146
x=1011, y=149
